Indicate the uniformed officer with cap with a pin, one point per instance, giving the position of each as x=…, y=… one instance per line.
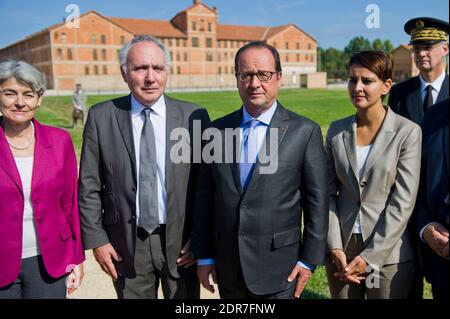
x=413, y=97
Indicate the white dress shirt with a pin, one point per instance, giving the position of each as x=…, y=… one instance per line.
x=158, y=118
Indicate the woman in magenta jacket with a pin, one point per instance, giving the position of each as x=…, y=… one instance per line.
x=40, y=246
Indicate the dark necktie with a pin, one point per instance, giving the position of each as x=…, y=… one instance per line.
x=250, y=151
x=148, y=190
x=428, y=101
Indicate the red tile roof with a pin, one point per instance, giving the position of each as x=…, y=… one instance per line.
x=158, y=28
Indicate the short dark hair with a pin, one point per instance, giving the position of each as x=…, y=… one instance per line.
x=376, y=61
x=258, y=44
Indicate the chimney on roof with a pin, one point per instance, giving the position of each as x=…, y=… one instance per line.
x=197, y=1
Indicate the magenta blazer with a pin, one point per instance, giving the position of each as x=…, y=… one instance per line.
x=54, y=198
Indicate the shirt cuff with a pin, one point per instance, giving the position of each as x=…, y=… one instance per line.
x=206, y=262
x=422, y=231
x=306, y=265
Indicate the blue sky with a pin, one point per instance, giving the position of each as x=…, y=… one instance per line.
x=332, y=23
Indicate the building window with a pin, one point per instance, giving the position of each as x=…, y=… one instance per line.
x=105, y=69
x=86, y=70
x=225, y=44
x=298, y=57
x=104, y=54
x=209, y=27
x=178, y=56
x=178, y=70
x=170, y=42
x=195, y=42
x=219, y=57
x=286, y=45
x=103, y=39
x=96, y=69
x=177, y=41
x=122, y=39
x=208, y=42
x=59, y=54
x=287, y=57
x=69, y=54
x=209, y=56
x=185, y=56
x=220, y=70
x=63, y=37
x=194, y=26
x=171, y=56
x=94, y=54
x=298, y=45
x=185, y=43
x=309, y=46
x=94, y=39
x=225, y=56
x=219, y=44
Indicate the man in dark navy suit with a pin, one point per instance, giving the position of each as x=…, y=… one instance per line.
x=432, y=208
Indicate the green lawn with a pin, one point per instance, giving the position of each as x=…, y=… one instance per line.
x=322, y=106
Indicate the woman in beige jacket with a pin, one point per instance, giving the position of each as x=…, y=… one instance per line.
x=374, y=169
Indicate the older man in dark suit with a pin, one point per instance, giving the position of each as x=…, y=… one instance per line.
x=135, y=200
x=413, y=97
x=433, y=209
x=248, y=213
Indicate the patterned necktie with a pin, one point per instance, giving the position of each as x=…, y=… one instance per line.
x=428, y=101
x=249, y=152
x=148, y=190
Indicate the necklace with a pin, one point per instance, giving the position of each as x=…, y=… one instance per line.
x=30, y=141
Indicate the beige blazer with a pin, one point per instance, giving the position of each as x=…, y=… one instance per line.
x=385, y=195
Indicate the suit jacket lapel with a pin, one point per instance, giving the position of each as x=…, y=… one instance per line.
x=173, y=120
x=349, y=137
x=278, y=122
x=233, y=147
x=385, y=135
x=414, y=102
x=7, y=162
x=42, y=150
x=443, y=94
x=123, y=117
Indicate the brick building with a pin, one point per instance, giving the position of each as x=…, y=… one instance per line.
x=202, y=50
x=404, y=66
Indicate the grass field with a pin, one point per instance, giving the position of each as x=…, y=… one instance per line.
x=322, y=106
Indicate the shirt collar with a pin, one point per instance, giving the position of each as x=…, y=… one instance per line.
x=265, y=117
x=159, y=107
x=436, y=84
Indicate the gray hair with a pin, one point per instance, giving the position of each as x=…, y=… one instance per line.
x=123, y=54
x=23, y=72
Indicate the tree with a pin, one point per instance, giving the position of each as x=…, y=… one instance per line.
x=388, y=47
x=357, y=44
x=377, y=44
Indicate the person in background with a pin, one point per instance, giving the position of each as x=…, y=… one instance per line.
x=373, y=160
x=433, y=209
x=79, y=99
x=412, y=98
x=40, y=242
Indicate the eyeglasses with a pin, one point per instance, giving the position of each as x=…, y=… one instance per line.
x=424, y=47
x=263, y=76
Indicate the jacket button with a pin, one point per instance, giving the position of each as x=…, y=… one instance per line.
x=133, y=189
x=40, y=220
x=44, y=239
